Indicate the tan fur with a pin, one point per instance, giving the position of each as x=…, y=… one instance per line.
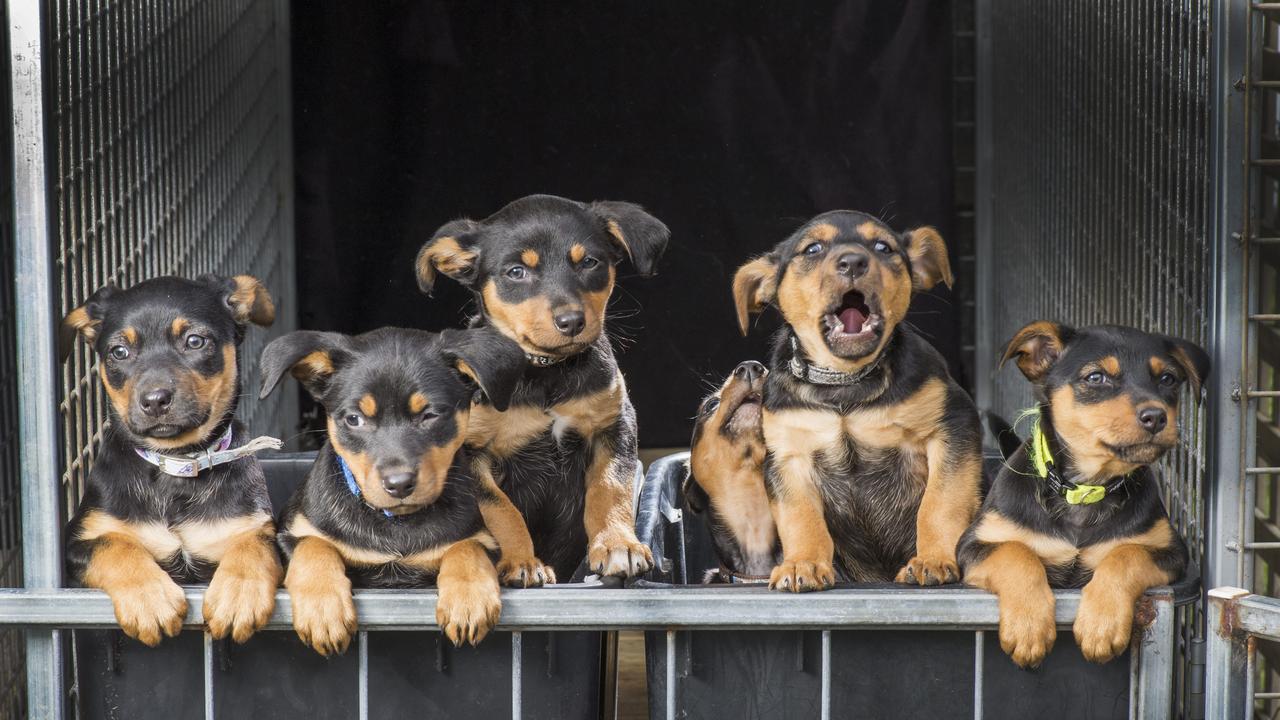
x=503, y=433
x=250, y=302
x=531, y=323
x=1110, y=365
x=731, y=472
x=1181, y=357
x=212, y=539
x=1104, y=622
x=418, y=401
x=469, y=603
x=78, y=321
x=823, y=232
x=929, y=261
x=578, y=252
x=530, y=258
x=616, y=231
x=179, y=327
x=518, y=565
x=1014, y=572
x=148, y=603
x=213, y=393
x=368, y=405
x=159, y=541
x=445, y=255
x=324, y=615
x=755, y=285
x=313, y=366
x=426, y=560
x=130, y=336
x=242, y=593
x=1036, y=346
x=995, y=529
x=433, y=468
x=1088, y=429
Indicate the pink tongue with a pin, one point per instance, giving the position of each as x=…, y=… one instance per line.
x=853, y=320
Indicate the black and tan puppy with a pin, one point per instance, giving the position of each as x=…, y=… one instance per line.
x=564, y=452
x=389, y=501
x=726, y=478
x=874, y=453
x=175, y=495
x=1078, y=505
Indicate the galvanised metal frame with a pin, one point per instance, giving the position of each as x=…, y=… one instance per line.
x=1237, y=619
x=670, y=609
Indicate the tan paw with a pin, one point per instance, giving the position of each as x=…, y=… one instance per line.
x=324, y=616
x=619, y=554
x=150, y=610
x=525, y=572
x=802, y=576
x=1103, y=626
x=468, y=609
x=239, y=605
x=925, y=570
x=1028, y=632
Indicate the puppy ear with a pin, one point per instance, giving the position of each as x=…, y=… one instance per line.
x=312, y=357
x=84, y=321
x=1037, y=347
x=929, y=262
x=640, y=235
x=754, y=287
x=488, y=359
x=1194, y=361
x=451, y=250
x=250, y=302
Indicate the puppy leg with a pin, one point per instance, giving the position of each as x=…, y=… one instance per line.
x=610, y=513
x=947, y=508
x=242, y=593
x=147, y=602
x=1105, y=620
x=324, y=615
x=807, y=548
x=469, y=604
x=1017, y=577
x=518, y=566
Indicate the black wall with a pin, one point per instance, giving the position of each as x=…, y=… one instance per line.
x=731, y=121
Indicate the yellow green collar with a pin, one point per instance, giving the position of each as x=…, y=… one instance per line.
x=1073, y=493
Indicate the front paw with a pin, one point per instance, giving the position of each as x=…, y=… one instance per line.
x=929, y=570
x=150, y=610
x=239, y=605
x=525, y=572
x=324, y=616
x=467, y=610
x=619, y=554
x=1028, y=632
x=802, y=576
x=1103, y=626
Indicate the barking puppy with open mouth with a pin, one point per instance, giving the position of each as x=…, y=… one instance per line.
x=874, y=453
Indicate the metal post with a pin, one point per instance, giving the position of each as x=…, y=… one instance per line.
x=826, y=675
x=671, y=675
x=1224, y=693
x=979, y=670
x=208, y=677
x=362, y=637
x=984, y=350
x=517, y=668
x=37, y=359
x=1156, y=655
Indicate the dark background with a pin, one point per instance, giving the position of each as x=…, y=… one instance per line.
x=733, y=122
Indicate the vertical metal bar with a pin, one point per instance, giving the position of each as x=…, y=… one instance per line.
x=671, y=675
x=826, y=675
x=979, y=670
x=1156, y=656
x=287, y=321
x=362, y=639
x=37, y=359
x=208, y=677
x=517, y=668
x=1224, y=695
x=984, y=351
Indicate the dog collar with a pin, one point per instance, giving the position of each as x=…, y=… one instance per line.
x=819, y=375
x=220, y=453
x=354, y=487
x=732, y=578
x=543, y=360
x=1073, y=493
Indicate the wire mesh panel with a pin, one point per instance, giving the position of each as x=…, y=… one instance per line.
x=172, y=157
x=1099, y=192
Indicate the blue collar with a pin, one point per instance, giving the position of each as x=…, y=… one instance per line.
x=352, y=486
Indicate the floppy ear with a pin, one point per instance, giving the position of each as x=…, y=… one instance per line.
x=488, y=359
x=84, y=321
x=640, y=235
x=312, y=357
x=929, y=262
x=1036, y=347
x=1194, y=361
x=451, y=250
x=250, y=302
x=754, y=286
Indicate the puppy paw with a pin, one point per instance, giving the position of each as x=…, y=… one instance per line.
x=525, y=572
x=1103, y=626
x=802, y=576
x=150, y=610
x=619, y=554
x=237, y=604
x=467, y=610
x=324, y=616
x=927, y=570
x=1028, y=632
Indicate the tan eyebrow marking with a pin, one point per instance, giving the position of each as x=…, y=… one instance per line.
x=130, y=335
x=417, y=403
x=825, y=232
x=530, y=258
x=179, y=326
x=368, y=406
x=1110, y=364
x=577, y=252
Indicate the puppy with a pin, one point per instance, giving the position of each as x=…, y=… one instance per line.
x=874, y=454
x=726, y=478
x=564, y=452
x=175, y=495
x=389, y=501
x=1078, y=505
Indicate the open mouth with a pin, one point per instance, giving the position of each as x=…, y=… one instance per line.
x=853, y=319
x=165, y=431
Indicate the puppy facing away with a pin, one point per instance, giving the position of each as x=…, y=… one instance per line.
x=175, y=494
x=1078, y=505
x=726, y=478
x=874, y=456
x=389, y=502
x=542, y=270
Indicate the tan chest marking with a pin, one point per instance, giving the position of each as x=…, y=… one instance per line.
x=994, y=528
x=155, y=537
x=426, y=560
x=503, y=433
x=206, y=540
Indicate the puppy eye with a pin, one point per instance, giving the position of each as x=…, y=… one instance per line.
x=1095, y=378
x=812, y=248
x=119, y=352
x=427, y=416
x=588, y=263
x=711, y=406
x=517, y=272
x=882, y=247
x=355, y=420
x=1168, y=380
x=195, y=342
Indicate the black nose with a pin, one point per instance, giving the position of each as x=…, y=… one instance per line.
x=749, y=371
x=156, y=402
x=399, y=485
x=1153, y=419
x=570, y=322
x=852, y=264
